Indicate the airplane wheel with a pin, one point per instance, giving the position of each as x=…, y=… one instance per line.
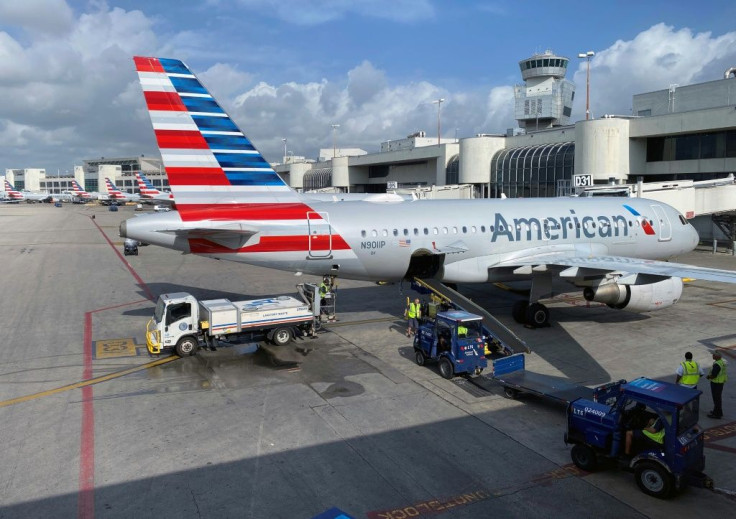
x=518, y=311
x=420, y=358
x=584, y=457
x=446, y=368
x=537, y=315
x=653, y=479
x=186, y=346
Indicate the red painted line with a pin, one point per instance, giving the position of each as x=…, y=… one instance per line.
x=86, y=495
x=127, y=265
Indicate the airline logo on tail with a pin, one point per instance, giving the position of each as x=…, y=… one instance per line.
x=208, y=159
x=147, y=189
x=11, y=192
x=78, y=191
x=112, y=189
x=215, y=172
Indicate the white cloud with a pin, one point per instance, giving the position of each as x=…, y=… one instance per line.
x=653, y=60
x=38, y=16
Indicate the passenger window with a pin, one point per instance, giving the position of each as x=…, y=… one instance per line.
x=435, y=230
x=483, y=228
x=374, y=233
x=472, y=229
x=396, y=232
x=444, y=230
x=426, y=231
x=384, y=232
x=362, y=233
x=416, y=231
x=454, y=230
x=465, y=230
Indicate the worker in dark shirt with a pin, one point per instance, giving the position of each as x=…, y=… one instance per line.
x=717, y=377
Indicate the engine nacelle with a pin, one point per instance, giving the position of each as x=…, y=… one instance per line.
x=637, y=298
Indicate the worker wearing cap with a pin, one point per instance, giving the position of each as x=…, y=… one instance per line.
x=689, y=372
x=717, y=377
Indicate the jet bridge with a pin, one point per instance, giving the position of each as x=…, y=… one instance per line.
x=455, y=299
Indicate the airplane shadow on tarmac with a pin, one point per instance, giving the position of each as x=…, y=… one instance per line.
x=553, y=344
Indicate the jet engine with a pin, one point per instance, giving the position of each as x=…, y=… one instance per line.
x=637, y=298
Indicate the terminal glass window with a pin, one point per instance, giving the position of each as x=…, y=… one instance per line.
x=531, y=171
x=692, y=146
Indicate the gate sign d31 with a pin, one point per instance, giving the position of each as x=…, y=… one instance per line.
x=582, y=180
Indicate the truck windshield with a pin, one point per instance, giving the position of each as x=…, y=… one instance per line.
x=158, y=313
x=469, y=329
x=688, y=416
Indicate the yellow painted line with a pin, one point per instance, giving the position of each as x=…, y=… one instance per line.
x=89, y=382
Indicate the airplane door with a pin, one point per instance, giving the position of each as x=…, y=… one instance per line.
x=662, y=224
x=320, y=235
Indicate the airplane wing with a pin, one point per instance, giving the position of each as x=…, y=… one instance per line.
x=570, y=266
x=230, y=235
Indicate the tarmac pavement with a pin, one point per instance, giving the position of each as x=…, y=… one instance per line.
x=93, y=426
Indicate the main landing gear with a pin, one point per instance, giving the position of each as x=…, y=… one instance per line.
x=535, y=315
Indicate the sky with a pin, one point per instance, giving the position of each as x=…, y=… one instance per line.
x=290, y=69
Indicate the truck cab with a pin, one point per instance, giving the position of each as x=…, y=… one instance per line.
x=455, y=340
x=598, y=430
x=175, y=323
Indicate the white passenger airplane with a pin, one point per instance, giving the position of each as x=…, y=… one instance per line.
x=120, y=196
x=149, y=193
x=233, y=206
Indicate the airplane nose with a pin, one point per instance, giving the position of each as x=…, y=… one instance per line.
x=123, y=233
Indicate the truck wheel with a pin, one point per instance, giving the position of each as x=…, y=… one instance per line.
x=420, y=358
x=446, y=368
x=653, y=479
x=186, y=346
x=584, y=457
x=281, y=336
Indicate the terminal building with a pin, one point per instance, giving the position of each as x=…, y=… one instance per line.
x=91, y=175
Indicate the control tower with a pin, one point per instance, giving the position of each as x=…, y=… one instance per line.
x=545, y=98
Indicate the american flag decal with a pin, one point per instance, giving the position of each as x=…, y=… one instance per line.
x=404, y=243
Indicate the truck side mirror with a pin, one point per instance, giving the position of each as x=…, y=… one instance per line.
x=166, y=328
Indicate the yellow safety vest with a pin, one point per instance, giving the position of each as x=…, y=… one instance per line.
x=462, y=330
x=415, y=310
x=690, y=373
x=657, y=436
x=721, y=378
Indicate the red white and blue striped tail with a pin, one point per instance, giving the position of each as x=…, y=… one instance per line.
x=145, y=186
x=78, y=191
x=208, y=159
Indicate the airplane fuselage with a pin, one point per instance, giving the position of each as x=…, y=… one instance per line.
x=378, y=241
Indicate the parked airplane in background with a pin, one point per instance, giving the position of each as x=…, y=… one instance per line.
x=232, y=205
x=10, y=194
x=119, y=196
x=150, y=193
x=79, y=192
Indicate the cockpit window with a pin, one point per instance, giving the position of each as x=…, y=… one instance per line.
x=683, y=220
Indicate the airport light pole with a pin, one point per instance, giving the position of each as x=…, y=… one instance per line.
x=334, y=139
x=284, y=141
x=587, y=56
x=438, y=102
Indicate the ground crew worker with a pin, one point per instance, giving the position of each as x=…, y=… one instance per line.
x=462, y=331
x=689, y=372
x=413, y=313
x=717, y=377
x=653, y=433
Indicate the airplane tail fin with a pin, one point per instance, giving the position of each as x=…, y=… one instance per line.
x=209, y=161
x=145, y=186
